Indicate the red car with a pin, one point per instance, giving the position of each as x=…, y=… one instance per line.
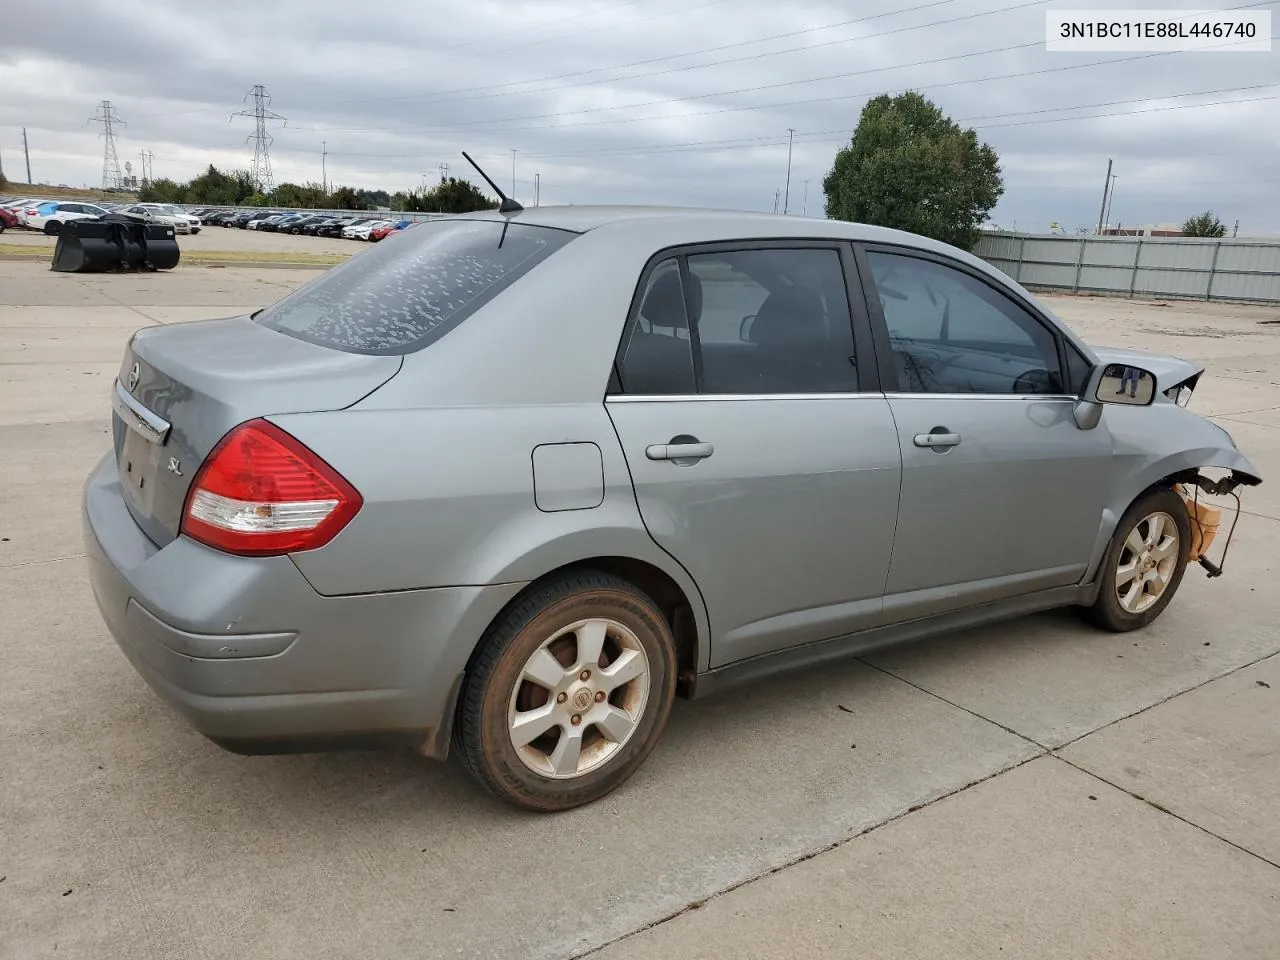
x=386, y=229
x=7, y=219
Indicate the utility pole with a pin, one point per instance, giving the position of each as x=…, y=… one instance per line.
x=805, y=208
x=263, y=182
x=1106, y=188
x=106, y=116
x=1110, y=196
x=776, y=195
x=786, y=203
x=26, y=154
x=513, y=172
x=1235, y=229
x=537, y=187
x=324, y=167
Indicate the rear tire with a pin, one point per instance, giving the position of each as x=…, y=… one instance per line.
x=1144, y=563
x=53, y=228
x=541, y=723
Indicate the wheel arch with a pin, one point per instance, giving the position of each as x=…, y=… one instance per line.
x=680, y=604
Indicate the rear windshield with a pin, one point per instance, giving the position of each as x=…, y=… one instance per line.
x=401, y=296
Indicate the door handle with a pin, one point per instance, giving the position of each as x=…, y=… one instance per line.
x=679, y=451
x=937, y=439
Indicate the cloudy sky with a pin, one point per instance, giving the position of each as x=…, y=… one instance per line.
x=640, y=101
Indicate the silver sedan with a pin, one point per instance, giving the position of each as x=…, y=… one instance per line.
x=517, y=480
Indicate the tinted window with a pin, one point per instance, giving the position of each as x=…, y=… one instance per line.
x=952, y=333
x=773, y=321
x=657, y=357
x=399, y=297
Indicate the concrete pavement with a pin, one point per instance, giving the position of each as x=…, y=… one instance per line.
x=931, y=801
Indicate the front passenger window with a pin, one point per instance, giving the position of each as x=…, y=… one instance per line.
x=952, y=333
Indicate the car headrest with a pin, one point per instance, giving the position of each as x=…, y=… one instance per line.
x=788, y=315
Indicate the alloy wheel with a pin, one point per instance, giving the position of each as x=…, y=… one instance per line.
x=579, y=698
x=1148, y=560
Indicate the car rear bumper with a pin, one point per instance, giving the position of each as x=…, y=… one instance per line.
x=258, y=661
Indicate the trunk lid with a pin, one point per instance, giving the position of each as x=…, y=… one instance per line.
x=182, y=388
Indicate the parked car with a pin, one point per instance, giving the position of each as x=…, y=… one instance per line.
x=749, y=443
x=383, y=230
x=7, y=219
x=335, y=228
x=319, y=223
x=255, y=223
x=163, y=213
x=283, y=224
x=223, y=218
x=300, y=224
x=52, y=214
x=361, y=231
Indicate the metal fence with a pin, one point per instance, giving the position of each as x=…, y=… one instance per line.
x=1187, y=268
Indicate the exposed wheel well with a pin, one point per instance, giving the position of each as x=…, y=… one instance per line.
x=671, y=600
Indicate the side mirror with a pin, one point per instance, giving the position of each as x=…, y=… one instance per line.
x=1121, y=383
x=1113, y=383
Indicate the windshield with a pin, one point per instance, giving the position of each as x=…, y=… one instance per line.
x=400, y=297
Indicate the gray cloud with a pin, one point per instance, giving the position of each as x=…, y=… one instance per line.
x=680, y=101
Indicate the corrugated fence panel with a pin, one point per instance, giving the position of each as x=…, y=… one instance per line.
x=1166, y=267
x=1113, y=279
x=1178, y=255
x=1252, y=257
x=1048, y=274
x=1104, y=253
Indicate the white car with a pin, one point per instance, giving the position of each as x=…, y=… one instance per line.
x=50, y=215
x=163, y=213
x=361, y=231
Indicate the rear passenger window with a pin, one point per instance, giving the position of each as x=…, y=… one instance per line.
x=773, y=321
x=748, y=322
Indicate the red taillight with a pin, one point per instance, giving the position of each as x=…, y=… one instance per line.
x=262, y=492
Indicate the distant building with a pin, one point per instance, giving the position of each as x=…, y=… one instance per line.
x=1144, y=230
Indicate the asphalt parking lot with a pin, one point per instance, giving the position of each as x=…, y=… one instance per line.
x=1035, y=789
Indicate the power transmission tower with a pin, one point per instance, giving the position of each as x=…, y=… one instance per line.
x=786, y=200
x=106, y=116
x=263, y=182
x=444, y=172
x=148, y=166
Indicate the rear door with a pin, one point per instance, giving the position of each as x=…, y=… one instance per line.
x=763, y=454
x=1002, y=494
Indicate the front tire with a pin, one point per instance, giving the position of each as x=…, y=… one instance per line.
x=53, y=228
x=570, y=690
x=1144, y=564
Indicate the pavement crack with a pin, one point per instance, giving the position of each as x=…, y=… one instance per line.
x=36, y=563
x=1161, y=808
x=703, y=901
x=951, y=703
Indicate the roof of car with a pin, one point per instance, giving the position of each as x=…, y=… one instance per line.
x=735, y=224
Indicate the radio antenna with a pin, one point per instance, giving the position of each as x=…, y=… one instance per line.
x=508, y=204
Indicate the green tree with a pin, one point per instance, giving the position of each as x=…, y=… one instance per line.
x=911, y=167
x=1203, y=225
x=304, y=196
x=450, y=196
x=344, y=198
x=163, y=190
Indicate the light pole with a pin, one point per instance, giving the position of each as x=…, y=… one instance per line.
x=513, y=172
x=805, y=208
x=324, y=167
x=786, y=201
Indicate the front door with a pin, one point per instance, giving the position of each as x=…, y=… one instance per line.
x=758, y=462
x=1002, y=494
